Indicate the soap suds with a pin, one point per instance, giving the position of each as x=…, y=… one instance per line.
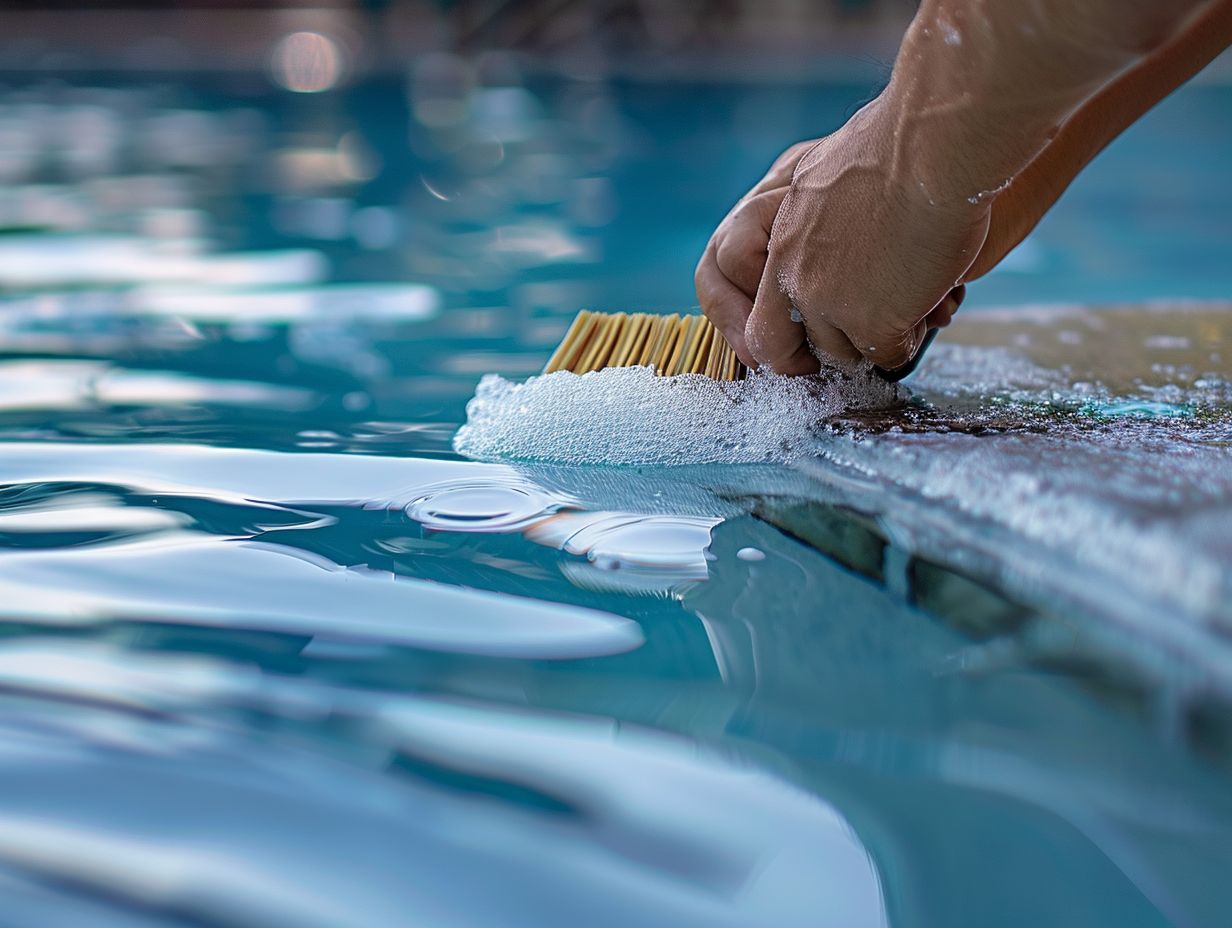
x=630, y=416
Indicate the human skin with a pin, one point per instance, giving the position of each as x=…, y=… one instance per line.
x=991, y=110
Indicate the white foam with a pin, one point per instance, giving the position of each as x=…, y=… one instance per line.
x=630, y=416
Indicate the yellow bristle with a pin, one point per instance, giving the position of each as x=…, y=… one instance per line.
x=697, y=332
x=672, y=366
x=575, y=342
x=688, y=326
x=701, y=351
x=619, y=332
x=654, y=334
x=602, y=345
x=640, y=340
x=628, y=344
x=655, y=326
x=667, y=341
x=593, y=337
x=667, y=344
x=618, y=343
x=671, y=344
x=714, y=354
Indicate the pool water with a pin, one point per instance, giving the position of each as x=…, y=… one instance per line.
x=273, y=653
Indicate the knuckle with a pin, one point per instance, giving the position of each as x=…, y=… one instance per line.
x=706, y=271
x=740, y=262
x=799, y=148
x=699, y=274
x=767, y=208
x=707, y=292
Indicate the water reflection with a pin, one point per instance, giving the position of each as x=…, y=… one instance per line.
x=316, y=607
x=489, y=506
x=629, y=553
x=350, y=679
x=216, y=584
x=452, y=790
x=1104, y=472
x=60, y=516
x=326, y=659
x=653, y=553
x=41, y=261
x=1032, y=748
x=616, y=541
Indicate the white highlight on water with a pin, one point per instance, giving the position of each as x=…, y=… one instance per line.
x=630, y=416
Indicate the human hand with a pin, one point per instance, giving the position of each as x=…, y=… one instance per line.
x=865, y=249
x=731, y=267
x=869, y=233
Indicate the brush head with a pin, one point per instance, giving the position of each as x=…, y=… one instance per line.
x=672, y=345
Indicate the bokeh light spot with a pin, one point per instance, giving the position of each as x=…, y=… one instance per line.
x=306, y=62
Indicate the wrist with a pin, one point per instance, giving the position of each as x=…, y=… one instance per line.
x=957, y=133
x=956, y=157
x=979, y=90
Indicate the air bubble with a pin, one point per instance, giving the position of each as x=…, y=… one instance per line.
x=467, y=506
x=630, y=416
x=658, y=542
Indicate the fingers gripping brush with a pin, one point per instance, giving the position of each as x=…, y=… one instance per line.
x=1020, y=207
x=672, y=345
x=722, y=414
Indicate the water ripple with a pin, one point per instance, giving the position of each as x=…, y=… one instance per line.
x=492, y=505
x=191, y=818
x=269, y=587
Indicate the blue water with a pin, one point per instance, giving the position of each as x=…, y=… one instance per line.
x=273, y=654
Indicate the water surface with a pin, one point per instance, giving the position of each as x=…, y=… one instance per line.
x=272, y=653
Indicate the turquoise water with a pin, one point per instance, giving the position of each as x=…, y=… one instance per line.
x=274, y=654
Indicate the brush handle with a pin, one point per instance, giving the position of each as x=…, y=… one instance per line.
x=958, y=294
x=906, y=370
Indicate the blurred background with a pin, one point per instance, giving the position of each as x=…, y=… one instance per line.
x=510, y=161
x=239, y=228
x=584, y=37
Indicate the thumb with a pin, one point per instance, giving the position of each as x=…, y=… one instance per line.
x=774, y=337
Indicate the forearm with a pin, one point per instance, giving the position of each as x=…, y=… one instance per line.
x=1098, y=121
x=980, y=86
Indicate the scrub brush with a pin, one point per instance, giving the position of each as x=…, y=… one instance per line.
x=672, y=345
